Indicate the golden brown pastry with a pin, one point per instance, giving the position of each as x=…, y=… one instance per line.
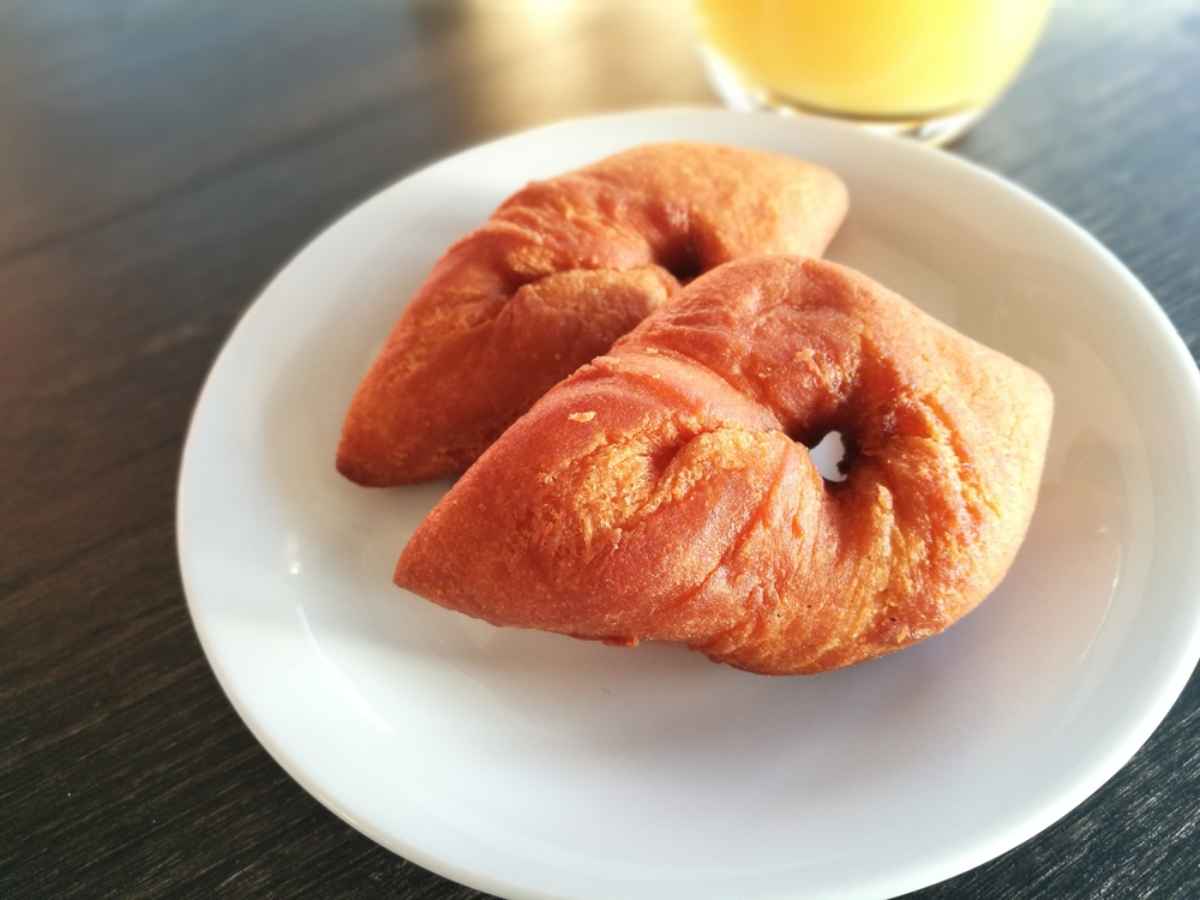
x=560, y=271
x=664, y=492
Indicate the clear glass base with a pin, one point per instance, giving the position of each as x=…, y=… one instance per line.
x=936, y=129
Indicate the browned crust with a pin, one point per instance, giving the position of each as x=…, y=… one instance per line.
x=560, y=271
x=658, y=494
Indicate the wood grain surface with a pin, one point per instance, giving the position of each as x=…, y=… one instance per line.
x=160, y=159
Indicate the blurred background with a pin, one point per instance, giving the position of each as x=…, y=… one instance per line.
x=163, y=97
x=160, y=159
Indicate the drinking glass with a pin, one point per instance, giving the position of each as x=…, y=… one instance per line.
x=925, y=68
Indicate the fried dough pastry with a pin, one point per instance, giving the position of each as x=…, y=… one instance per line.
x=665, y=492
x=561, y=270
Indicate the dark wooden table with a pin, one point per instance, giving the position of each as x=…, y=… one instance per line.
x=160, y=160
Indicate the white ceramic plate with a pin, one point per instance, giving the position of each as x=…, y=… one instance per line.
x=531, y=765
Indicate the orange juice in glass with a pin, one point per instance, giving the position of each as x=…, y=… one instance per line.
x=922, y=67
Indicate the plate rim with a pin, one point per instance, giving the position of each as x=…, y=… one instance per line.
x=923, y=874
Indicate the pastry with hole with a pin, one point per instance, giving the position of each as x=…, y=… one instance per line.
x=562, y=269
x=665, y=492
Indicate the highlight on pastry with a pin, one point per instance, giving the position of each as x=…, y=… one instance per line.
x=665, y=492
x=560, y=271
